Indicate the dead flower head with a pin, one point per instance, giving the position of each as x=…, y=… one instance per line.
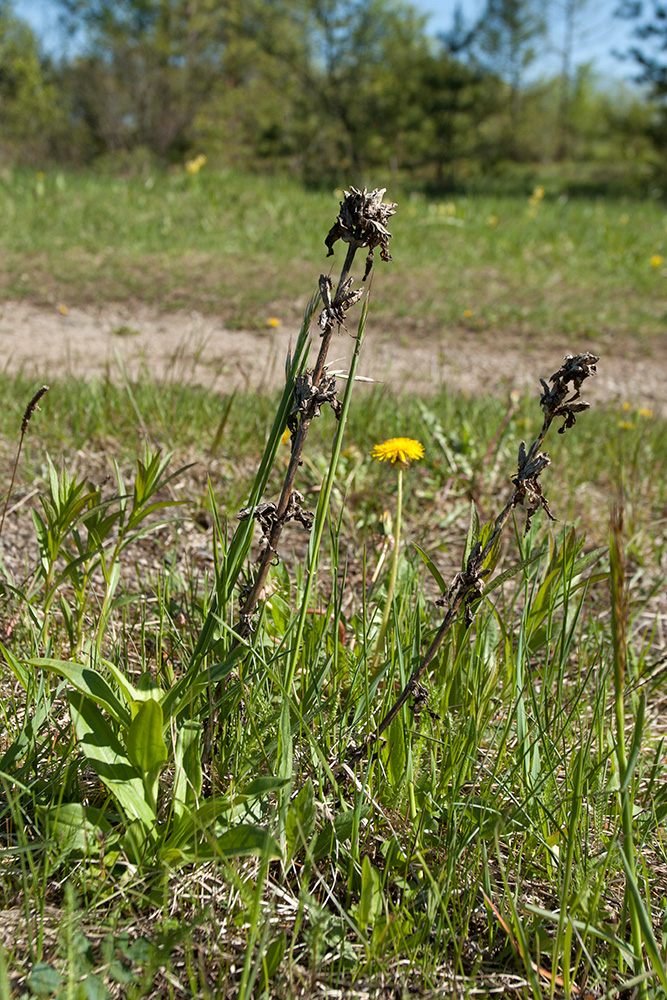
x=575, y=369
x=362, y=222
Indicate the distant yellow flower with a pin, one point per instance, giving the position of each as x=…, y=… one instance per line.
x=194, y=166
x=492, y=220
x=403, y=450
x=467, y=313
x=40, y=175
x=538, y=193
x=627, y=406
x=272, y=321
x=657, y=260
x=645, y=412
x=626, y=425
x=62, y=309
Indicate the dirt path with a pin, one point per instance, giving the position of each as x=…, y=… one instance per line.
x=45, y=344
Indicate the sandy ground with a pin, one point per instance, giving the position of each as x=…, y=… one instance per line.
x=45, y=344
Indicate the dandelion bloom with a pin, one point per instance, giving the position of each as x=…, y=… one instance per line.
x=272, y=321
x=657, y=260
x=403, y=450
x=626, y=425
x=194, y=166
x=645, y=412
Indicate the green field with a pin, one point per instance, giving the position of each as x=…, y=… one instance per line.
x=245, y=248
x=187, y=815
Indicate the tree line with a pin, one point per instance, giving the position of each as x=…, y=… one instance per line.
x=328, y=89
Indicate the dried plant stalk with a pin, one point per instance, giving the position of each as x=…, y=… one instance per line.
x=468, y=585
x=361, y=222
x=25, y=423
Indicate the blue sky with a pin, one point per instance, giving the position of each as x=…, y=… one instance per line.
x=599, y=32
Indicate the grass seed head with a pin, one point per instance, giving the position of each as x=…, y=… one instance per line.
x=32, y=406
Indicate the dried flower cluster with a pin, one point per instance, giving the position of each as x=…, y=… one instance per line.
x=362, y=222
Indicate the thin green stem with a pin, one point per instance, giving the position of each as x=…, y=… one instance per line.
x=393, y=572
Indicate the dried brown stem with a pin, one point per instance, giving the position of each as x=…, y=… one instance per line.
x=361, y=223
x=27, y=416
x=527, y=492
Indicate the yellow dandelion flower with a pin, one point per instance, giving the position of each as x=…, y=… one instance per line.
x=272, y=321
x=626, y=425
x=467, y=313
x=194, y=166
x=645, y=412
x=657, y=260
x=626, y=406
x=62, y=309
x=403, y=450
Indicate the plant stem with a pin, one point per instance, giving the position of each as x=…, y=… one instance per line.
x=393, y=573
x=243, y=626
x=619, y=639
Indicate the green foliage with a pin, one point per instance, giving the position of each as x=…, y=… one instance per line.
x=32, y=110
x=199, y=805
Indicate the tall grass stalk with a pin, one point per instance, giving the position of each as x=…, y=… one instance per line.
x=27, y=417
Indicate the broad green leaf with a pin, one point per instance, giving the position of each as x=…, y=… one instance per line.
x=75, y=826
x=273, y=956
x=370, y=900
x=44, y=980
x=188, y=774
x=473, y=534
x=300, y=821
x=432, y=568
x=262, y=786
x=88, y=682
x=17, y=668
x=396, y=753
x=145, y=744
x=344, y=822
x=108, y=759
x=245, y=839
x=491, y=560
x=127, y=688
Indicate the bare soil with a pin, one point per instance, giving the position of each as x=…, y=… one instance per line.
x=99, y=341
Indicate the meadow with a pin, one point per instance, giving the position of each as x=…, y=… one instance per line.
x=197, y=799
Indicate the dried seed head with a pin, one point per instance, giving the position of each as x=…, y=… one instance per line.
x=575, y=369
x=362, y=222
x=32, y=406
